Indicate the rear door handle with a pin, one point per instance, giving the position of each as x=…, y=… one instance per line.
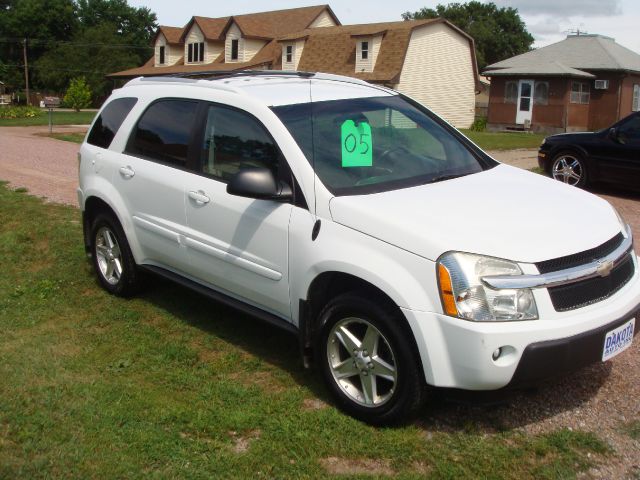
x=199, y=197
x=127, y=172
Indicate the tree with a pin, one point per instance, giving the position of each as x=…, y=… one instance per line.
x=41, y=22
x=499, y=33
x=78, y=94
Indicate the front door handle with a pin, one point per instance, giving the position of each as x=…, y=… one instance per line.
x=127, y=172
x=199, y=197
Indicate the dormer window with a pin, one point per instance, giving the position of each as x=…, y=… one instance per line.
x=289, y=54
x=234, y=48
x=195, y=52
x=364, y=50
x=162, y=59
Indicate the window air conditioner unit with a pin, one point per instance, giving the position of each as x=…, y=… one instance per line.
x=602, y=84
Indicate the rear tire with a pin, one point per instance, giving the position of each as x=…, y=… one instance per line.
x=368, y=360
x=112, y=258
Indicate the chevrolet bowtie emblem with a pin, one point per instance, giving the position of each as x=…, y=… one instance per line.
x=604, y=268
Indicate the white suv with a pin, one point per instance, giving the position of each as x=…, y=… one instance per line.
x=400, y=254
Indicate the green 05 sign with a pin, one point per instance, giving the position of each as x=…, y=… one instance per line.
x=356, y=140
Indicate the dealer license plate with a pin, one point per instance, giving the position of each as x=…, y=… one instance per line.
x=618, y=340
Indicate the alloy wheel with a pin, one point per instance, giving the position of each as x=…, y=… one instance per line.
x=567, y=169
x=362, y=362
x=108, y=255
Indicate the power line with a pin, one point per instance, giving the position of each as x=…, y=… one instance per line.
x=73, y=44
x=36, y=67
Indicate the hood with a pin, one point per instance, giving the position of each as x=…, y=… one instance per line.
x=503, y=212
x=572, y=136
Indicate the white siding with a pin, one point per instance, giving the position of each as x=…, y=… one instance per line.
x=298, y=46
x=251, y=47
x=172, y=53
x=161, y=41
x=212, y=50
x=232, y=34
x=374, y=47
x=323, y=20
x=438, y=73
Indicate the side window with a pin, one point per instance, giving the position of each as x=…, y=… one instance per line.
x=541, y=94
x=629, y=131
x=234, y=140
x=164, y=131
x=109, y=121
x=510, y=92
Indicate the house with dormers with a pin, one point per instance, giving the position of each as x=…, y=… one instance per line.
x=430, y=60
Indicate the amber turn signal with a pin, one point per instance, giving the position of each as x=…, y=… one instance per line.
x=446, y=291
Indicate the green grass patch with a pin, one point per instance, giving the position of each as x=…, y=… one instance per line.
x=170, y=384
x=504, y=140
x=58, y=118
x=633, y=429
x=68, y=137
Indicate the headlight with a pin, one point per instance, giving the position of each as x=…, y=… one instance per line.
x=544, y=140
x=623, y=224
x=463, y=294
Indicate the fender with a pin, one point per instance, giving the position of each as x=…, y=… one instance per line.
x=101, y=188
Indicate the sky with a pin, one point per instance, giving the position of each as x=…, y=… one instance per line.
x=547, y=20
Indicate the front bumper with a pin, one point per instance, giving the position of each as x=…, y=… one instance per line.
x=457, y=353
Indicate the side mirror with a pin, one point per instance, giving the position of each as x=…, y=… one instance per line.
x=613, y=134
x=258, y=182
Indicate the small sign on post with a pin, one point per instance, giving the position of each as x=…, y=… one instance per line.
x=50, y=103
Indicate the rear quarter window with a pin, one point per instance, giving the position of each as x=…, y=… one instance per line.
x=109, y=121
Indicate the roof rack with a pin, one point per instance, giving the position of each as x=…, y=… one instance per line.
x=200, y=78
x=203, y=75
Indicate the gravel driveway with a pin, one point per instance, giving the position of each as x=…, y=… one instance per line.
x=602, y=398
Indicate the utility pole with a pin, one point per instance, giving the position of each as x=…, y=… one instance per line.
x=26, y=68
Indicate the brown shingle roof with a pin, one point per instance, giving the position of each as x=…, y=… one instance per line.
x=172, y=34
x=261, y=25
x=333, y=49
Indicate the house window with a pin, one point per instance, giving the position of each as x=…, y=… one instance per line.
x=234, y=49
x=510, y=92
x=635, y=104
x=541, y=93
x=289, y=54
x=195, y=52
x=162, y=55
x=364, y=50
x=580, y=92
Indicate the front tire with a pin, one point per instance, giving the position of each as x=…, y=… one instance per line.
x=369, y=361
x=112, y=258
x=570, y=168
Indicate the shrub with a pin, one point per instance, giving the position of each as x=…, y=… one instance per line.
x=479, y=124
x=19, y=112
x=78, y=94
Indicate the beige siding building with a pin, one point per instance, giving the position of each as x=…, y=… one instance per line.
x=430, y=60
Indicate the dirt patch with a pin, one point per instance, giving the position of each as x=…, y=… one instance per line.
x=360, y=466
x=313, y=404
x=241, y=443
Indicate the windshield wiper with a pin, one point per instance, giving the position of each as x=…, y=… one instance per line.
x=447, y=177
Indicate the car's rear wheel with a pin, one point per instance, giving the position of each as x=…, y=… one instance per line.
x=569, y=168
x=369, y=361
x=112, y=258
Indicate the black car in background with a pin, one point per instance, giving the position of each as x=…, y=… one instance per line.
x=611, y=155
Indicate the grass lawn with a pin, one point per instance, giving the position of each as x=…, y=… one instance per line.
x=504, y=141
x=68, y=137
x=170, y=384
x=59, y=118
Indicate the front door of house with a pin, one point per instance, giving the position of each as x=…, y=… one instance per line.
x=525, y=101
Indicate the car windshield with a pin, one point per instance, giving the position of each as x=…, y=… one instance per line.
x=368, y=145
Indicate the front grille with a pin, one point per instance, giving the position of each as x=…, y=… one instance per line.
x=586, y=292
x=581, y=258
